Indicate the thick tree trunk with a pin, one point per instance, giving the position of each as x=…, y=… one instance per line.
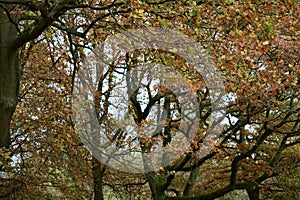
x=156, y=186
x=9, y=78
x=98, y=173
x=157, y=192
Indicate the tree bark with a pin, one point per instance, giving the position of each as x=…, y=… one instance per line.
x=253, y=194
x=157, y=186
x=9, y=77
x=98, y=173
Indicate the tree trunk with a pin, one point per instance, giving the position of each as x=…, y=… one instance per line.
x=253, y=194
x=157, y=192
x=9, y=77
x=156, y=186
x=98, y=173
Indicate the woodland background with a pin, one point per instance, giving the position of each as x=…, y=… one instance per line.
x=255, y=46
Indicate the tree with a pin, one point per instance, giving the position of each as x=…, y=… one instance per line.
x=253, y=44
x=22, y=22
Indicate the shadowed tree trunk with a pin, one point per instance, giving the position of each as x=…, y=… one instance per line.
x=98, y=173
x=157, y=186
x=9, y=77
x=253, y=194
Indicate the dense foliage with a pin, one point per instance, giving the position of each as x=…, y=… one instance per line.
x=255, y=46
